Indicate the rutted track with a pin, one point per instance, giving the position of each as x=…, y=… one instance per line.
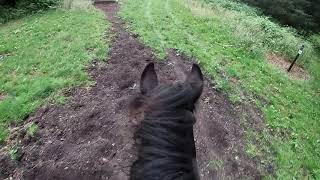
x=90, y=137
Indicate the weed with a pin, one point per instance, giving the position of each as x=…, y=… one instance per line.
x=234, y=98
x=32, y=129
x=216, y=164
x=251, y=150
x=15, y=152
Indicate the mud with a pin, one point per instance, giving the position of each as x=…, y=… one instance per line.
x=91, y=136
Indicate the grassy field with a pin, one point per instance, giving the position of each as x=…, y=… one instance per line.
x=231, y=41
x=44, y=53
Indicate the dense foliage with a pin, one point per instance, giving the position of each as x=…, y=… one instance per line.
x=11, y=9
x=301, y=14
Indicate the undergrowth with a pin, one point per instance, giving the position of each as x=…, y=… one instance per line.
x=231, y=45
x=21, y=8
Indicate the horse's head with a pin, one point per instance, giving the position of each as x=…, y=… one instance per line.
x=167, y=148
x=182, y=95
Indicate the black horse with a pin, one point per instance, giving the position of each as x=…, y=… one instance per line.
x=166, y=150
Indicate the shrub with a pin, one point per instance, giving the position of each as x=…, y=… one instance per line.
x=301, y=14
x=23, y=7
x=315, y=39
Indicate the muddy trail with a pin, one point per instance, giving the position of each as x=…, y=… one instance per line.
x=91, y=136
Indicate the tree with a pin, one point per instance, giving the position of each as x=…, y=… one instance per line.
x=11, y=3
x=301, y=14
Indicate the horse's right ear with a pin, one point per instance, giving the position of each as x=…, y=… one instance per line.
x=149, y=79
x=195, y=79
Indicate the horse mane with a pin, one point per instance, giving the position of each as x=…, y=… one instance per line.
x=166, y=150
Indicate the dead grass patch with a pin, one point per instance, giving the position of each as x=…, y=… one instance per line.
x=283, y=63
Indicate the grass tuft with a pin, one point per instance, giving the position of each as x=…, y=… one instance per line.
x=32, y=129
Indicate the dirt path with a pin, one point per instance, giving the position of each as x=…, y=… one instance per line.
x=90, y=137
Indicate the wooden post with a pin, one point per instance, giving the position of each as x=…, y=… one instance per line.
x=295, y=59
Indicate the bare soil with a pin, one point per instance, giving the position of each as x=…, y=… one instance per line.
x=91, y=136
x=282, y=63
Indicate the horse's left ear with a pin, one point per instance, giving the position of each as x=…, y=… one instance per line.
x=195, y=79
x=149, y=79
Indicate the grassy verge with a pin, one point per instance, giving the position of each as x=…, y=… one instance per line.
x=232, y=50
x=44, y=53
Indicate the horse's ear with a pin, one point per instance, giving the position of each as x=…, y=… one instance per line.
x=195, y=79
x=149, y=79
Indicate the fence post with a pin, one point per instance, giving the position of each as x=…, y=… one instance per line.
x=295, y=59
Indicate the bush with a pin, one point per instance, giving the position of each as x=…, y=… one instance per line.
x=20, y=8
x=301, y=14
x=315, y=39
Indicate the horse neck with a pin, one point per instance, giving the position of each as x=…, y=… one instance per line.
x=168, y=119
x=188, y=116
x=182, y=119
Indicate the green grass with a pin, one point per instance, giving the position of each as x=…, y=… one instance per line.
x=231, y=46
x=44, y=53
